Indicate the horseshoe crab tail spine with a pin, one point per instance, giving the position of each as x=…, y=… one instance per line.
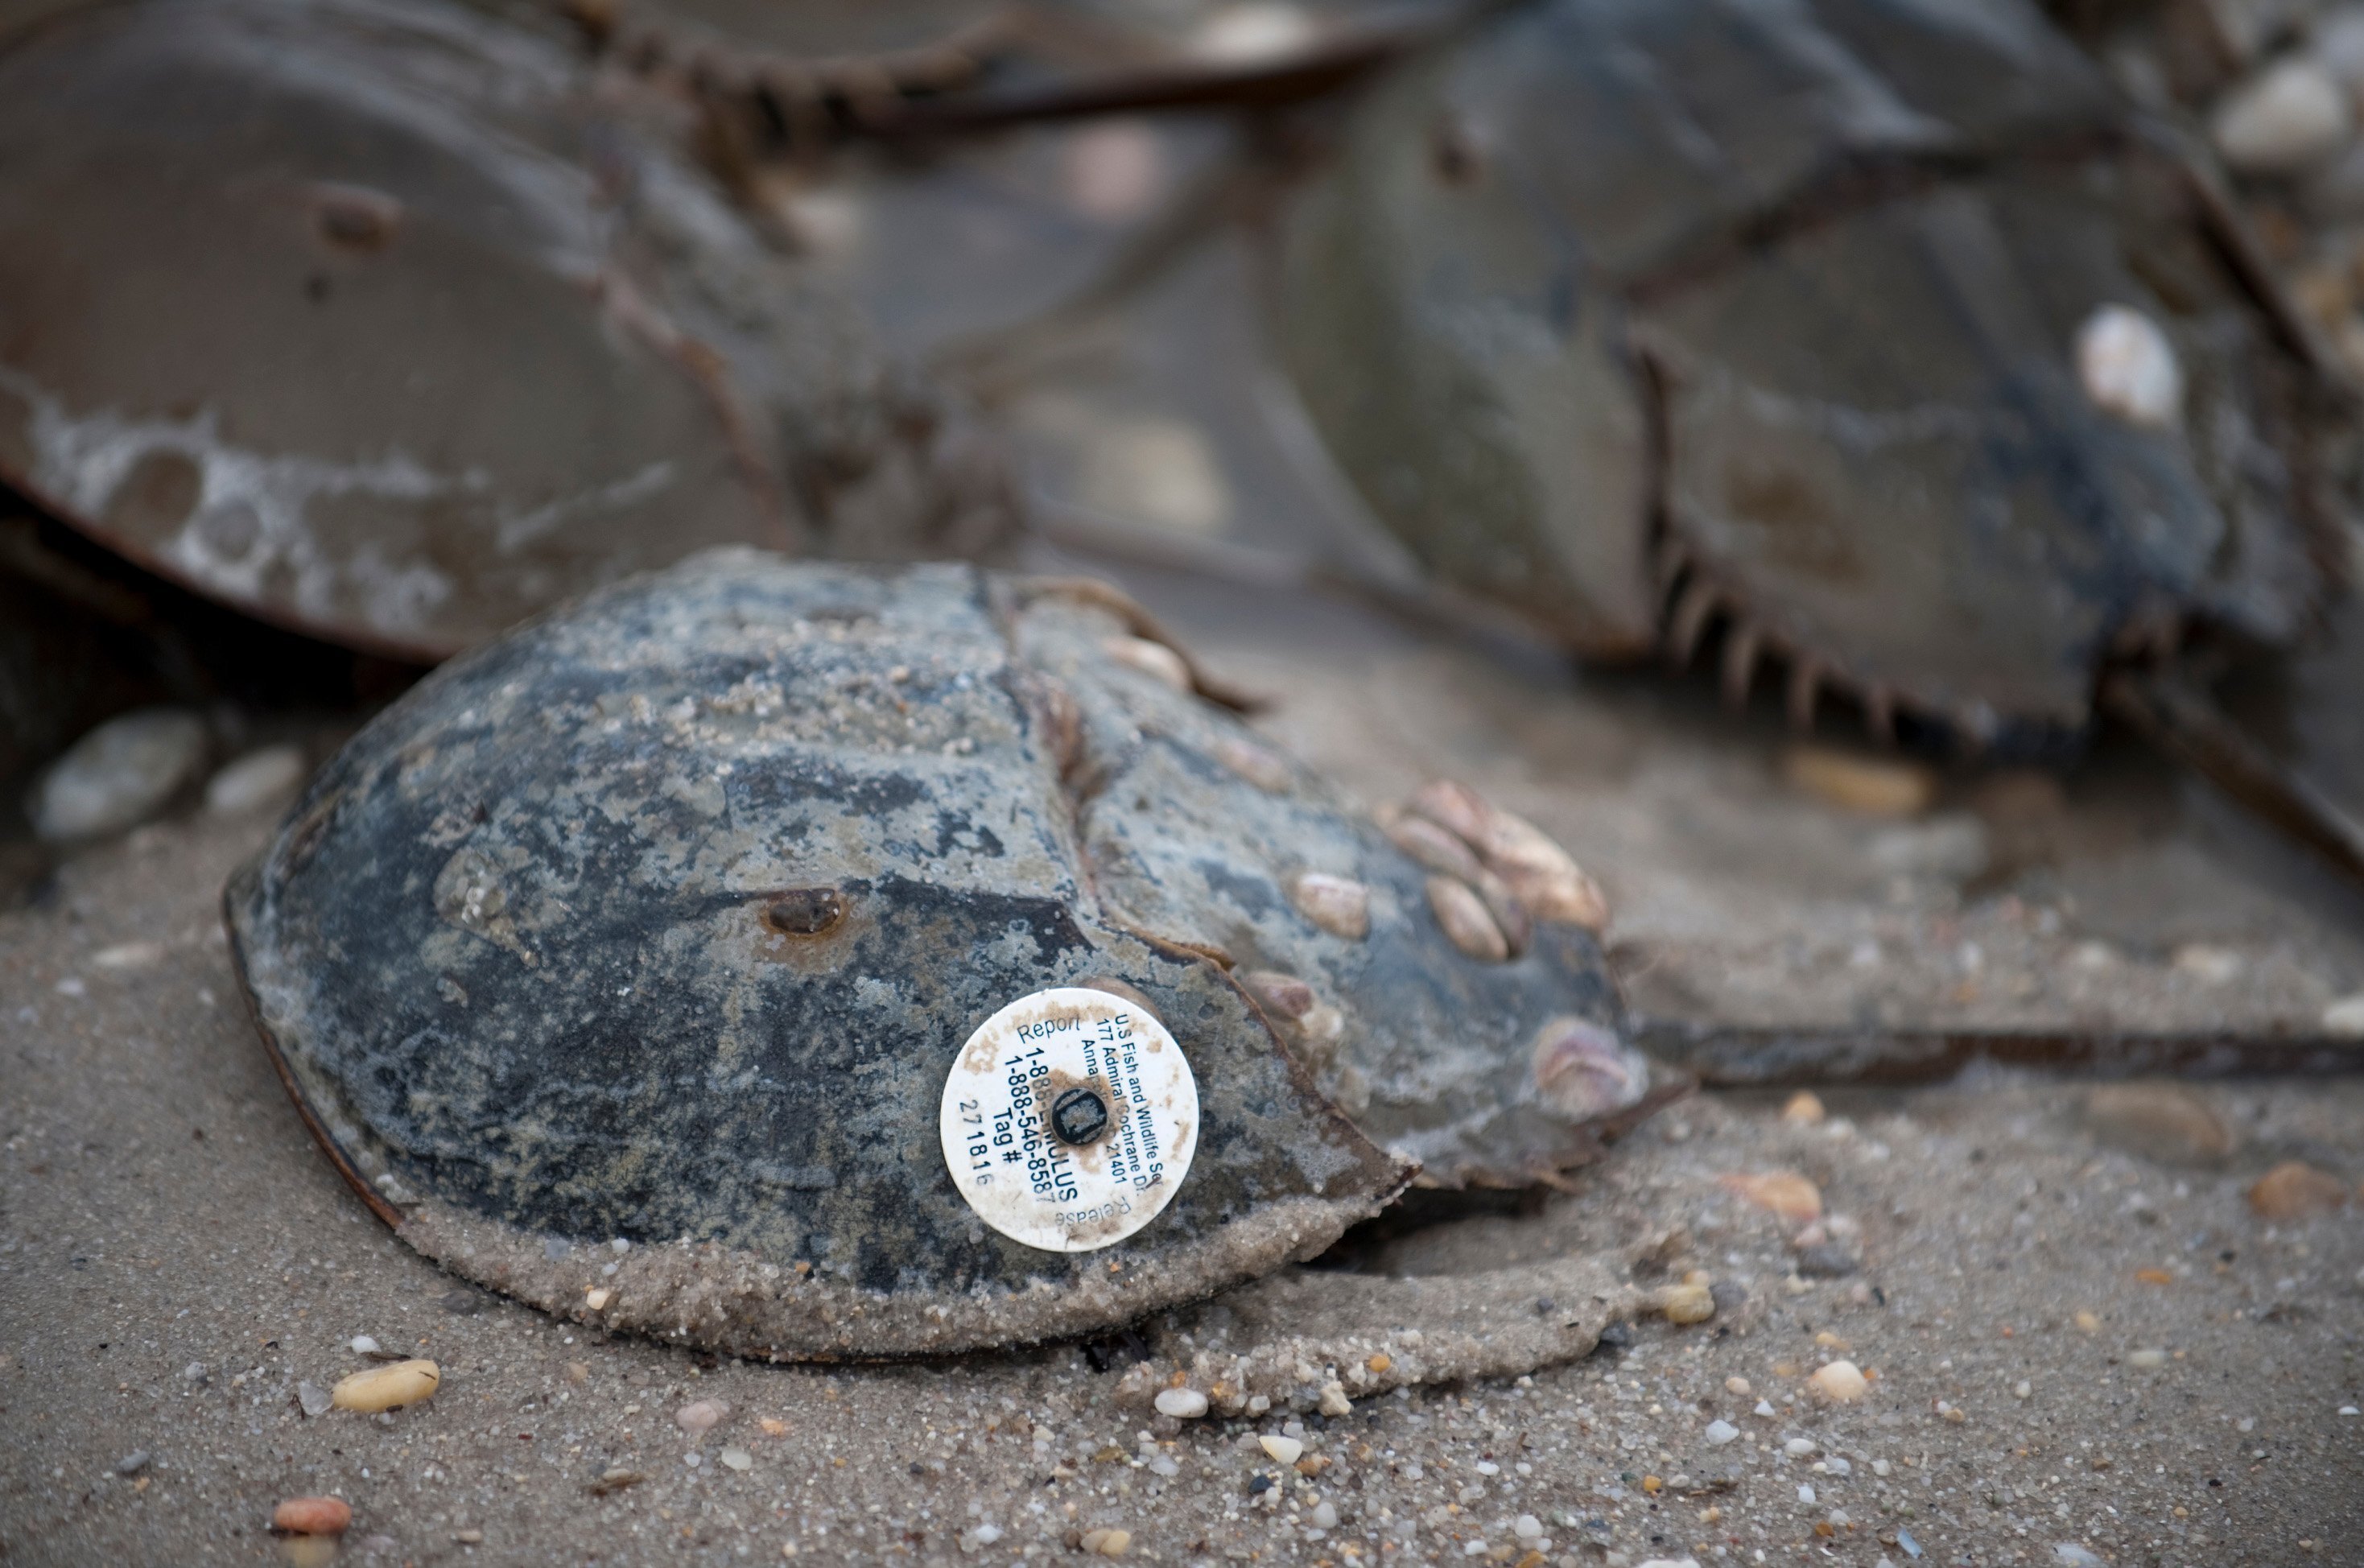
x=1805, y=689
x=1693, y=609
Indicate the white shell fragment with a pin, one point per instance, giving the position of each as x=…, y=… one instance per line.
x=2129, y=369
x=2289, y=115
x=1006, y=1119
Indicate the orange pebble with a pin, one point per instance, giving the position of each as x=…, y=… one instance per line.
x=312, y=1516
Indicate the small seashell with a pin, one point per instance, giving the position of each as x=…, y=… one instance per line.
x=1454, y=805
x=1875, y=786
x=1462, y=914
x=1510, y=914
x=2129, y=369
x=386, y=1387
x=1339, y=904
x=1182, y=1403
x=312, y=1516
x=1152, y=659
x=1107, y=1542
x=1282, y=995
x=1584, y=1071
x=1259, y=765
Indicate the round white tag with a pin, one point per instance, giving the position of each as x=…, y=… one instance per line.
x=1070, y=1119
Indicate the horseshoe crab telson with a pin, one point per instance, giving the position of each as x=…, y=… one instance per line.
x=390, y=321
x=664, y=919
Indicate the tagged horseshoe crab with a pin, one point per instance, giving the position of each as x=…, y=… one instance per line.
x=301, y=414
x=650, y=963
x=1875, y=333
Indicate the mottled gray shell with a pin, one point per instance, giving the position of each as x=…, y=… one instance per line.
x=661, y=919
x=1648, y=315
x=387, y=320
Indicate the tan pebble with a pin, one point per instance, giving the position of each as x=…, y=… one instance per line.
x=1831, y=1342
x=313, y=1516
x=1333, y=1399
x=702, y=1415
x=1182, y=1403
x=737, y=1459
x=1584, y=1071
x=1261, y=766
x=1842, y=1381
x=469, y=1537
x=2087, y=1322
x=1434, y=848
x=774, y=1427
x=1107, y=1542
x=386, y=1387
x=1288, y=1450
x=2294, y=1189
x=597, y=1298
x=1785, y=1369
x=1870, y=786
x=2345, y=1017
x=578, y=1372
x=1739, y=1385
x=308, y=1551
x=1378, y=1363
x=1804, y=1110
x=1466, y=922
x=1151, y=659
x=1686, y=1303
x=1282, y=995
x=2166, y=1122
x=1784, y=1193
x=2147, y=1360
x=1339, y=904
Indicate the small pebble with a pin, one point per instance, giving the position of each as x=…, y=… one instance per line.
x=1840, y=1379
x=1334, y=1402
x=118, y=775
x=1720, y=1433
x=702, y=1415
x=1870, y=786
x=2128, y=367
x=2072, y=1555
x=2294, y=1189
x=2168, y=1123
x=132, y=1464
x=1739, y=1385
x=1686, y=1303
x=1806, y=1495
x=1325, y=1515
x=1825, y=1262
x=1804, y=1110
x=386, y=1387
x=312, y=1516
x=255, y=779
x=1783, y=1193
x=1798, y=1448
x=1286, y=1450
x=362, y=1345
x=1107, y=1542
x=1764, y=1407
x=2022, y=1389
x=1152, y=659
x=1182, y=1403
x=1338, y=905
x=313, y=1400
x=2345, y=1017
x=2147, y=1360
x=1526, y=1527
x=2287, y=117
x=737, y=1459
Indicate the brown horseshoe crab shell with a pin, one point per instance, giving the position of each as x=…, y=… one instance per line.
x=661, y=920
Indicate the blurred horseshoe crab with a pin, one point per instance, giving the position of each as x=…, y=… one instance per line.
x=620, y=964
x=1876, y=334
x=254, y=260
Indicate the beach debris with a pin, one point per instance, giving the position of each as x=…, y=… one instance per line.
x=119, y=774
x=312, y=1516
x=386, y=1387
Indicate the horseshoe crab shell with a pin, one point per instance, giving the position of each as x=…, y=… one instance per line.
x=647, y=935
x=1874, y=332
x=389, y=321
